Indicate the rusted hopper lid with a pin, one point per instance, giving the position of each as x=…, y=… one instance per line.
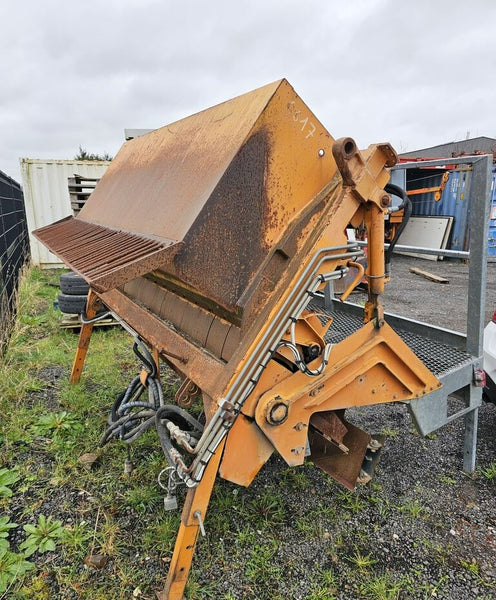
x=212, y=206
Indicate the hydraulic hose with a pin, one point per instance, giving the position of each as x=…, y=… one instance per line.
x=165, y=412
x=406, y=206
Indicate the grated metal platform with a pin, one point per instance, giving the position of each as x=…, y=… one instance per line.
x=441, y=359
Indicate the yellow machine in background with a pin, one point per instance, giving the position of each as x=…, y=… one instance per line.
x=213, y=239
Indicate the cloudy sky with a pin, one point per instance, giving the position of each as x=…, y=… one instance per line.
x=415, y=73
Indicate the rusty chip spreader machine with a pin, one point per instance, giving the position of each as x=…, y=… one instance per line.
x=213, y=238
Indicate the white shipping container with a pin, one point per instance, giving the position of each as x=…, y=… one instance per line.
x=46, y=196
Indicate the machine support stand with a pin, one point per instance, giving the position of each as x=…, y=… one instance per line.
x=92, y=305
x=470, y=446
x=192, y=519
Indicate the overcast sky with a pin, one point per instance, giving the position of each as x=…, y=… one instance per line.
x=416, y=73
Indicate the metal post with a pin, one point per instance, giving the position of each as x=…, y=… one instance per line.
x=480, y=198
x=480, y=202
x=480, y=195
x=470, y=445
x=329, y=294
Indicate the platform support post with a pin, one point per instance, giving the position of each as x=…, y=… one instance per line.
x=470, y=446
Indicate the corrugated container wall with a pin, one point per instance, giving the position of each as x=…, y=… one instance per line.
x=46, y=195
x=452, y=203
x=491, y=247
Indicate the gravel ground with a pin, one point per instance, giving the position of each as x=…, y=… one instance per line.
x=444, y=305
x=423, y=524
x=429, y=518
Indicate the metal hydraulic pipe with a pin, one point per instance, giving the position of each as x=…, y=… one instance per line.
x=278, y=325
x=240, y=378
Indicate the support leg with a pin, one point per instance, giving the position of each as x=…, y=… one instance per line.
x=473, y=397
x=194, y=509
x=470, y=446
x=93, y=304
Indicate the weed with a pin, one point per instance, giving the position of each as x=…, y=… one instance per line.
x=246, y=537
x=325, y=588
x=315, y=523
x=320, y=592
x=447, y=480
x=42, y=537
x=390, y=432
x=5, y=526
x=36, y=588
x=295, y=478
x=432, y=589
x=76, y=536
x=261, y=566
x=412, y=508
x=7, y=478
x=55, y=425
x=198, y=591
x=225, y=503
x=267, y=508
x=384, y=508
x=471, y=566
x=488, y=472
x=110, y=538
x=363, y=562
x=12, y=568
x=159, y=535
x=142, y=498
x=440, y=553
x=351, y=501
x=380, y=587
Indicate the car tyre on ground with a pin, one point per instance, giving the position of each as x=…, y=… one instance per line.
x=72, y=304
x=73, y=284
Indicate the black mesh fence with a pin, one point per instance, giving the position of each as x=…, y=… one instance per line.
x=14, y=251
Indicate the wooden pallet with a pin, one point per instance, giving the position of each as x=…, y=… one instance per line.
x=80, y=189
x=74, y=322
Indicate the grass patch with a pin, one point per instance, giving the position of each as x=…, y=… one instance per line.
x=293, y=533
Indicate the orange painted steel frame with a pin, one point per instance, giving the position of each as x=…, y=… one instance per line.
x=373, y=365
x=370, y=366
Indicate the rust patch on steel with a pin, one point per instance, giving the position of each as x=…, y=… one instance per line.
x=344, y=468
x=202, y=367
x=329, y=425
x=106, y=258
x=225, y=245
x=195, y=323
x=180, y=288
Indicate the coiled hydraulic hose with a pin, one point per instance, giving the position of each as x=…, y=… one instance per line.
x=130, y=416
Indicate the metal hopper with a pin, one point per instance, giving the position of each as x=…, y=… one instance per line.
x=213, y=238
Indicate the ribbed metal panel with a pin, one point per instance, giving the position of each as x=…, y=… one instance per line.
x=46, y=195
x=439, y=358
x=106, y=258
x=425, y=204
x=453, y=203
x=491, y=246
